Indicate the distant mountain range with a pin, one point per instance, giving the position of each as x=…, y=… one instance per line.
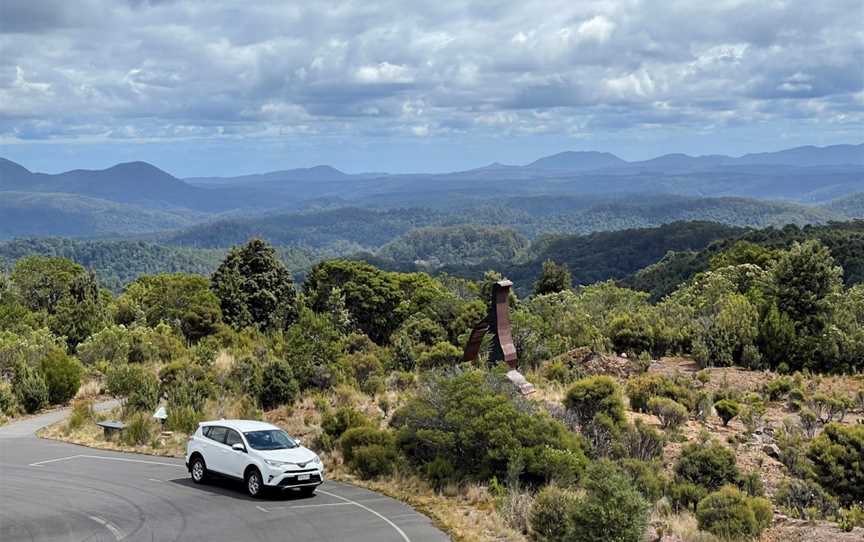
x=138, y=197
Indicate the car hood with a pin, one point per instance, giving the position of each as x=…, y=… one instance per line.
x=290, y=455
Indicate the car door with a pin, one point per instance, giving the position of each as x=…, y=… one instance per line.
x=216, y=455
x=235, y=460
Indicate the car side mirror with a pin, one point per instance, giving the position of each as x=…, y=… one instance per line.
x=238, y=447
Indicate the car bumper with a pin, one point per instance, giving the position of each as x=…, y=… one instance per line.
x=292, y=479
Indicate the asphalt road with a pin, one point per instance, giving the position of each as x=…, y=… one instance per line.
x=53, y=491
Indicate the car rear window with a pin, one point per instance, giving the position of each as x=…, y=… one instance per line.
x=215, y=433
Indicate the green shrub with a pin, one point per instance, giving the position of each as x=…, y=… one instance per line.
x=671, y=414
x=62, y=375
x=476, y=421
x=439, y=471
x=134, y=385
x=592, y=395
x=805, y=499
x=185, y=383
x=836, y=455
x=731, y=515
x=363, y=436
x=611, y=509
x=685, y=495
x=778, y=388
x=751, y=484
x=562, y=467
x=182, y=418
x=707, y=465
x=647, y=477
x=31, y=390
x=139, y=430
x=82, y=412
x=373, y=460
x=336, y=423
x=8, y=404
x=727, y=409
x=550, y=518
x=557, y=371
x=278, y=385
x=641, y=441
x=443, y=354
x=642, y=388
x=851, y=517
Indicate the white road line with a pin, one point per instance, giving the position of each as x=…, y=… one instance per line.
x=355, y=503
x=110, y=526
x=263, y=509
x=106, y=458
x=308, y=506
x=40, y=463
x=154, y=480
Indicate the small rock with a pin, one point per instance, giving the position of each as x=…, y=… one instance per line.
x=771, y=450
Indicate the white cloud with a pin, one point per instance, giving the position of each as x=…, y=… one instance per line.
x=383, y=72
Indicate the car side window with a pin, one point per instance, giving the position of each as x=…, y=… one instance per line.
x=217, y=433
x=232, y=437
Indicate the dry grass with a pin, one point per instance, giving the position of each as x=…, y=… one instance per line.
x=90, y=389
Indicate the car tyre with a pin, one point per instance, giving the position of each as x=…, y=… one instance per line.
x=254, y=483
x=198, y=470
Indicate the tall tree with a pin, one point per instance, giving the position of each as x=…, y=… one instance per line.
x=554, y=278
x=255, y=288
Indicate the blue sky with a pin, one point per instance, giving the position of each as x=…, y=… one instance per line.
x=220, y=88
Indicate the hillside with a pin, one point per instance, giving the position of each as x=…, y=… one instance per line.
x=845, y=241
x=70, y=215
x=455, y=245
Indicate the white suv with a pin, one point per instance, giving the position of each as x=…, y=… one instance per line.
x=260, y=454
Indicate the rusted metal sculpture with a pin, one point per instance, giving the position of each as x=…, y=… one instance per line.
x=497, y=322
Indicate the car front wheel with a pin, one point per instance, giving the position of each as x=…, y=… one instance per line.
x=198, y=470
x=254, y=485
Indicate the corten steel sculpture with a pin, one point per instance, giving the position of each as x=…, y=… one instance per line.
x=497, y=322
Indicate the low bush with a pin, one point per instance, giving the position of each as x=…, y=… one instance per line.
x=336, y=423
x=731, y=515
x=31, y=390
x=439, y=471
x=62, y=375
x=836, y=455
x=685, y=495
x=709, y=465
x=593, y=395
x=550, y=517
x=611, y=509
x=477, y=422
x=727, y=409
x=135, y=386
x=374, y=460
x=641, y=441
x=139, y=430
x=642, y=388
x=562, y=467
x=8, y=404
x=557, y=371
x=363, y=436
x=671, y=414
x=182, y=418
x=442, y=354
x=805, y=499
x=851, y=517
x=778, y=388
x=647, y=477
x=82, y=412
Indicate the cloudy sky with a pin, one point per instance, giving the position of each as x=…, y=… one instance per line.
x=226, y=87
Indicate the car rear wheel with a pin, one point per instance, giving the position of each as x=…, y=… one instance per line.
x=198, y=470
x=254, y=485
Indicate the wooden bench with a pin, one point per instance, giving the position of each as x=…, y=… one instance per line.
x=111, y=428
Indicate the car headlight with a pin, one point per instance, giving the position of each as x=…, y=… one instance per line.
x=276, y=464
x=317, y=460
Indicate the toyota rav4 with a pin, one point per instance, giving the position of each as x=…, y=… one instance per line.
x=260, y=454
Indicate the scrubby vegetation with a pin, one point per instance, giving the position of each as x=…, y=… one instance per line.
x=365, y=365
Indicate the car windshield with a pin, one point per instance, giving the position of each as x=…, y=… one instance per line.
x=270, y=439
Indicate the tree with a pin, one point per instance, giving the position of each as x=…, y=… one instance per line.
x=278, y=385
x=42, y=282
x=554, y=278
x=707, y=465
x=255, y=288
x=81, y=312
x=30, y=388
x=62, y=376
x=804, y=281
x=183, y=301
x=727, y=409
x=311, y=347
x=372, y=297
x=836, y=455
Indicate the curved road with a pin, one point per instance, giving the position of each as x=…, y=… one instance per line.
x=53, y=491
